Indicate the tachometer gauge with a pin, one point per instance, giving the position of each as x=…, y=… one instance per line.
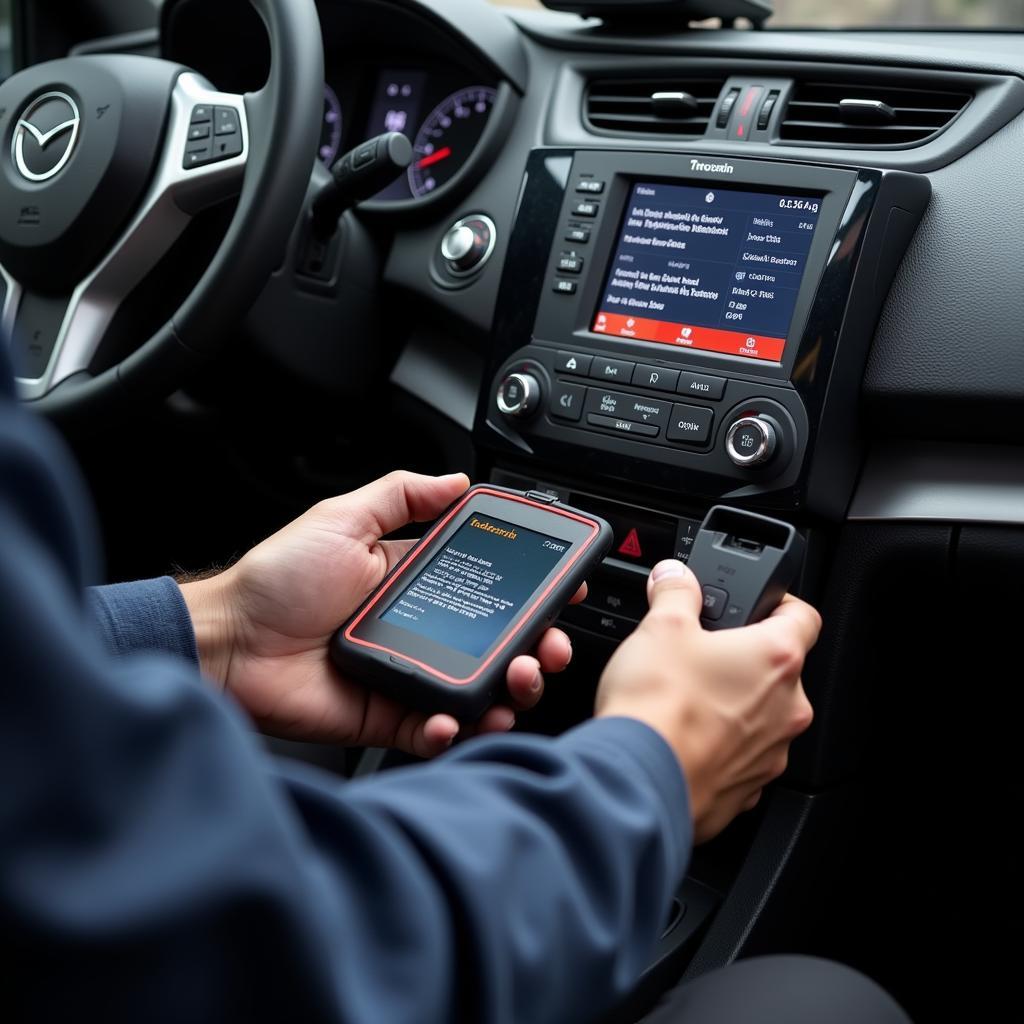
x=448, y=137
x=330, y=129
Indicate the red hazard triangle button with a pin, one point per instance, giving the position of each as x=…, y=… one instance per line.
x=630, y=547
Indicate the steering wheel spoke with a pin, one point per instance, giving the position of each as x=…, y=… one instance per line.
x=111, y=157
x=202, y=162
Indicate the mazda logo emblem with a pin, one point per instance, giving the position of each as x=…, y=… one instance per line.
x=45, y=136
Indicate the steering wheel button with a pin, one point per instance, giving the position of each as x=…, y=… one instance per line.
x=227, y=146
x=226, y=119
x=200, y=114
x=197, y=154
x=199, y=131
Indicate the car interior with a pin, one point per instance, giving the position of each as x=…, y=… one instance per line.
x=647, y=258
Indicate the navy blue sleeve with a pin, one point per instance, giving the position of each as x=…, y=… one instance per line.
x=157, y=865
x=149, y=615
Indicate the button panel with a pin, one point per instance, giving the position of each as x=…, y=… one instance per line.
x=214, y=134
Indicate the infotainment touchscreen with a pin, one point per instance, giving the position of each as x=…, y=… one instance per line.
x=708, y=268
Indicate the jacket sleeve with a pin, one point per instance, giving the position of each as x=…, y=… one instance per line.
x=156, y=864
x=148, y=615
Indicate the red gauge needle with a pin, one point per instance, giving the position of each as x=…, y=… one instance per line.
x=434, y=158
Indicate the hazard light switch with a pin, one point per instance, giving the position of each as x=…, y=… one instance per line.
x=630, y=547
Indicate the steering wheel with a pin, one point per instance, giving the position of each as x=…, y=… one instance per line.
x=104, y=161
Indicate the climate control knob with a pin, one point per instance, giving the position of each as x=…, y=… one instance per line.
x=751, y=441
x=518, y=395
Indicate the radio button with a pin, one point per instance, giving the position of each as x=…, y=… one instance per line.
x=622, y=426
x=567, y=401
x=656, y=377
x=628, y=407
x=586, y=208
x=574, y=363
x=590, y=185
x=569, y=263
x=564, y=286
x=612, y=369
x=690, y=424
x=699, y=385
x=577, y=234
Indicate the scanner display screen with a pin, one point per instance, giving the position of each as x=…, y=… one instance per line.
x=472, y=589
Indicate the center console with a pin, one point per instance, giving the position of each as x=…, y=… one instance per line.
x=672, y=332
x=693, y=325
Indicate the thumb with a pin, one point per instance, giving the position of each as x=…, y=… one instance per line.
x=400, y=498
x=673, y=588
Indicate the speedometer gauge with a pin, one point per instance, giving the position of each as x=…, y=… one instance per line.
x=448, y=137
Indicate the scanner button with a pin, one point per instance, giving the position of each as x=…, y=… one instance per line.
x=715, y=600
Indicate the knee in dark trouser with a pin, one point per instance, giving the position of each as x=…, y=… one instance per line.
x=780, y=990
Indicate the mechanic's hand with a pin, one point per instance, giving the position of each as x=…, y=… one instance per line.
x=729, y=703
x=264, y=624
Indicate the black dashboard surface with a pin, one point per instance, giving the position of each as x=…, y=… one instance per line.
x=947, y=359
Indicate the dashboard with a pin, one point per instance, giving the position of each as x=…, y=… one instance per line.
x=761, y=241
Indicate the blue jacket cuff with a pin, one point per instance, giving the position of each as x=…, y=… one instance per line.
x=148, y=615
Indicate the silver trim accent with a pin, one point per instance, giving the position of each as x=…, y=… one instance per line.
x=531, y=392
x=174, y=197
x=931, y=481
x=493, y=240
x=44, y=138
x=764, y=449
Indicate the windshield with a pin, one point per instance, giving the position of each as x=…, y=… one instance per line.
x=882, y=13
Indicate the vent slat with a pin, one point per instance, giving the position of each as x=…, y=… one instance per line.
x=814, y=116
x=624, y=106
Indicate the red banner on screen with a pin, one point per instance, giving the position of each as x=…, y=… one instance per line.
x=707, y=339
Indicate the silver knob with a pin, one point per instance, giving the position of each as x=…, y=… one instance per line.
x=751, y=441
x=467, y=245
x=518, y=395
x=458, y=243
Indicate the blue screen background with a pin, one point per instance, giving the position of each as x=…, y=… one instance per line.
x=470, y=591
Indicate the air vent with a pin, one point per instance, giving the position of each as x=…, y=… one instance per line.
x=652, y=106
x=837, y=114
